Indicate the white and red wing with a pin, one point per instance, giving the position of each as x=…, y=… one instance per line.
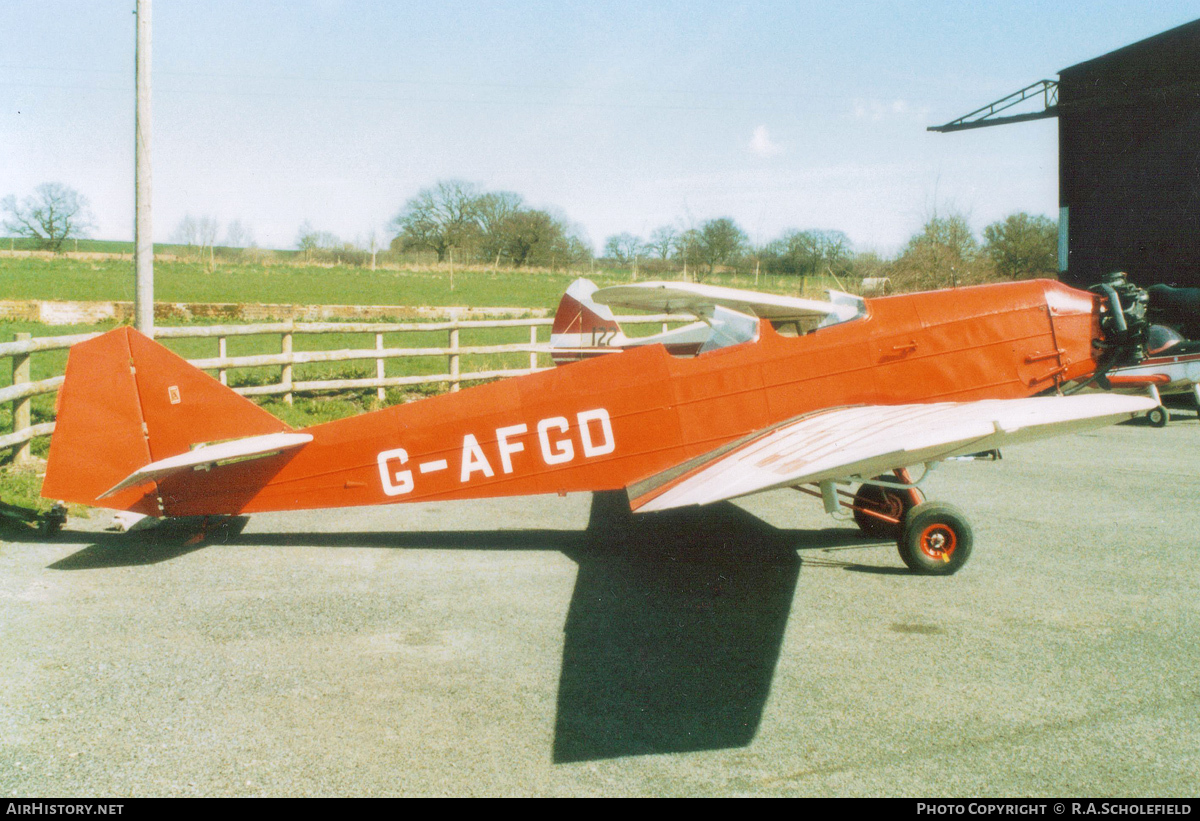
x=867, y=440
x=691, y=297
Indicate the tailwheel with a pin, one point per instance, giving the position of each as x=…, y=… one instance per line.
x=936, y=540
x=873, y=501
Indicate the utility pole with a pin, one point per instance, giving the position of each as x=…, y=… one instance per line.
x=143, y=230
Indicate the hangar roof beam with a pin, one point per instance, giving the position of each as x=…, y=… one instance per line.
x=986, y=116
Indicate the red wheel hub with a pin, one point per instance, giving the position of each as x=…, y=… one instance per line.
x=938, y=542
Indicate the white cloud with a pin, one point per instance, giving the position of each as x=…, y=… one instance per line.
x=876, y=110
x=762, y=145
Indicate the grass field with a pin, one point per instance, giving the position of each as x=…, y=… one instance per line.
x=102, y=280
x=66, y=278
x=101, y=246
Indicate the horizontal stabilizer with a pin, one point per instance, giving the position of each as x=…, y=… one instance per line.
x=866, y=440
x=206, y=456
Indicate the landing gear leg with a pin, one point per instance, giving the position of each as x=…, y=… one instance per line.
x=1158, y=417
x=879, y=511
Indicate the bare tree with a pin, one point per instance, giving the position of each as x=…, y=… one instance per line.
x=238, y=235
x=624, y=248
x=494, y=213
x=808, y=253
x=308, y=240
x=687, y=244
x=185, y=232
x=52, y=214
x=207, y=229
x=198, y=233
x=662, y=241
x=439, y=218
x=321, y=244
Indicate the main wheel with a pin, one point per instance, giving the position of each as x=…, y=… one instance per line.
x=49, y=528
x=936, y=540
x=1158, y=417
x=889, y=501
x=52, y=521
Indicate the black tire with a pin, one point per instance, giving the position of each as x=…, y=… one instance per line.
x=49, y=527
x=890, y=501
x=1158, y=417
x=937, y=539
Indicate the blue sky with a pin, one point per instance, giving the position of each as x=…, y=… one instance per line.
x=621, y=116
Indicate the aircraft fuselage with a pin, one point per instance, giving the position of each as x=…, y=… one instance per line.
x=607, y=422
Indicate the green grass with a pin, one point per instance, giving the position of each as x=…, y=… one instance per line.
x=103, y=246
x=24, y=278
x=22, y=488
x=64, y=278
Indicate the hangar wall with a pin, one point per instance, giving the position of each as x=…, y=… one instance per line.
x=1129, y=162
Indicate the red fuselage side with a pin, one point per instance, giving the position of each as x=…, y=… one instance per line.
x=608, y=422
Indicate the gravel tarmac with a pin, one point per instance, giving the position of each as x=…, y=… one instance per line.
x=548, y=646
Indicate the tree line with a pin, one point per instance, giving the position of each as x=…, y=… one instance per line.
x=944, y=253
x=460, y=222
x=721, y=243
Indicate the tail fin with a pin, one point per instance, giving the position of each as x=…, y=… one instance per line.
x=583, y=327
x=128, y=402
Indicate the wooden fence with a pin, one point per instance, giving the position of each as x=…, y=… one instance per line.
x=23, y=347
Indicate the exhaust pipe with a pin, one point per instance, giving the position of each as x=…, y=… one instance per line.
x=1124, y=327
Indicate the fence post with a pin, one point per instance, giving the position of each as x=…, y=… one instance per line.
x=222, y=351
x=286, y=349
x=454, y=357
x=21, y=407
x=533, y=341
x=379, y=394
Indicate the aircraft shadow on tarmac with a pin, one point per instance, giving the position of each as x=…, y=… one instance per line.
x=674, y=628
x=671, y=647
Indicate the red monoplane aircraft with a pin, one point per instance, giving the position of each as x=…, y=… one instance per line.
x=763, y=392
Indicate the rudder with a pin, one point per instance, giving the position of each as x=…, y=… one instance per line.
x=582, y=326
